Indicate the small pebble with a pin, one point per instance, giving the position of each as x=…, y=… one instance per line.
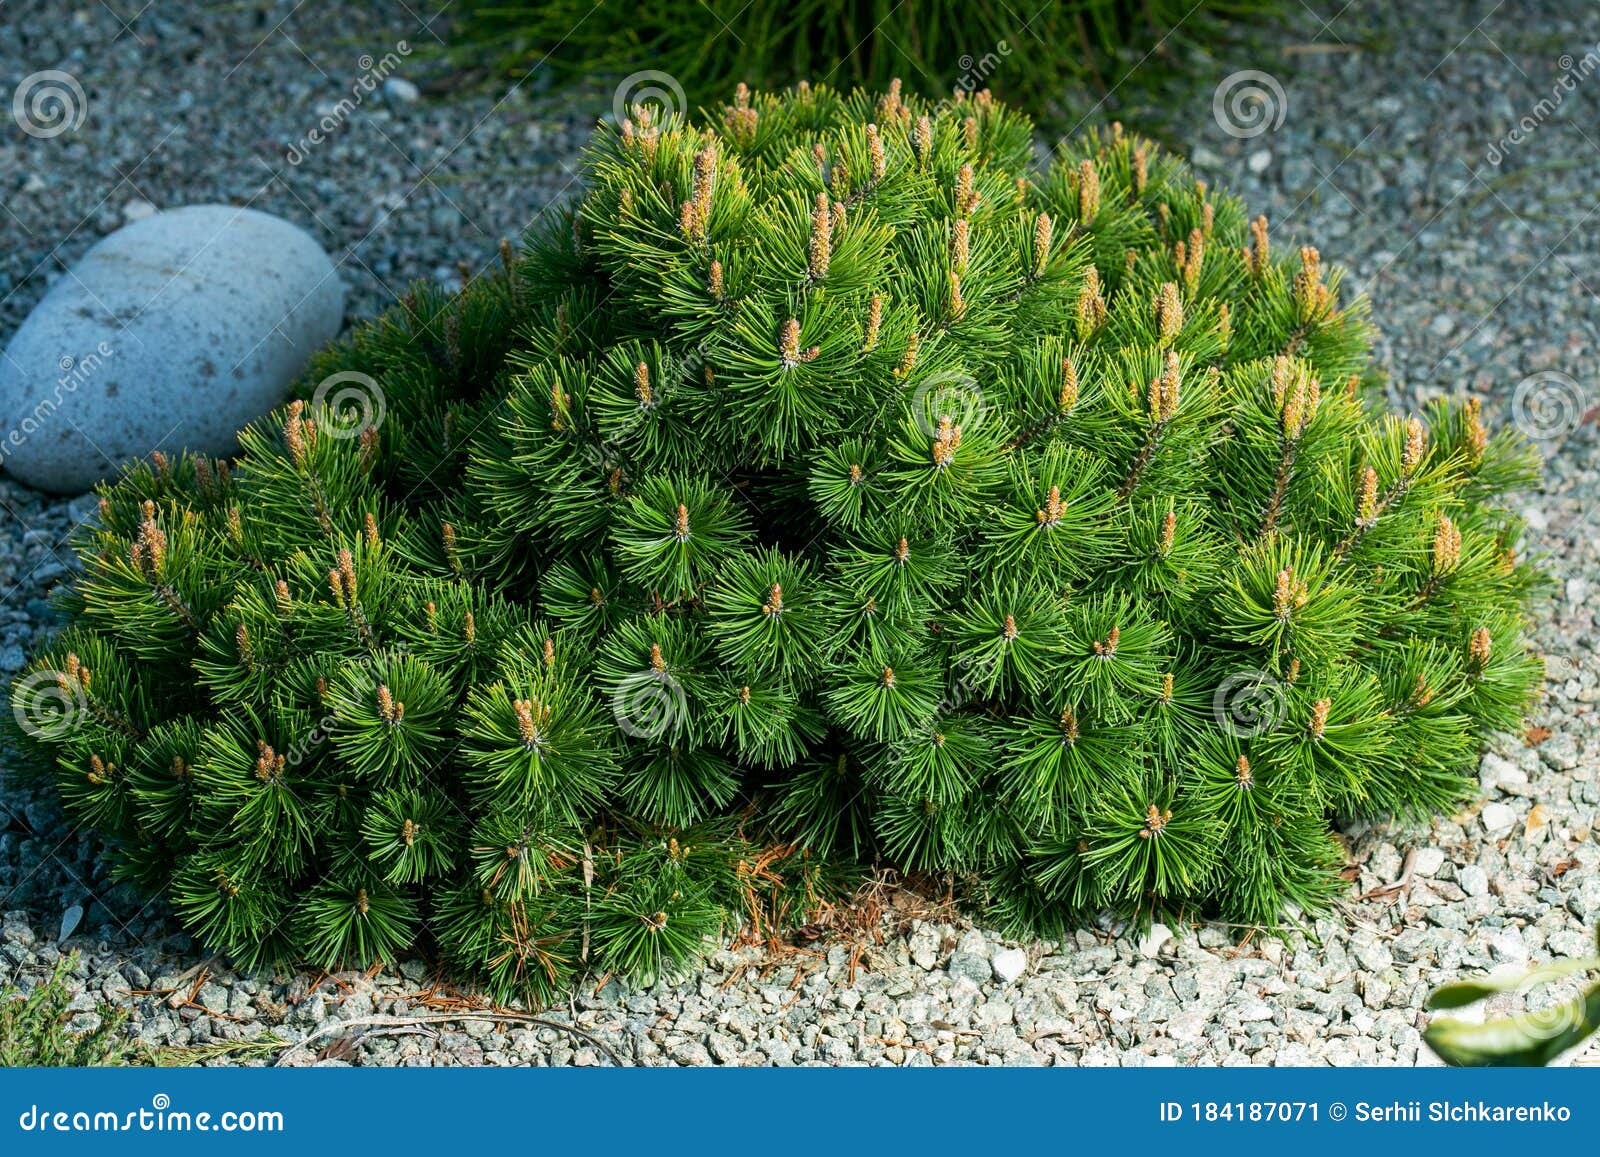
x=1427, y=861
x=401, y=90
x=1155, y=941
x=1009, y=964
x=1498, y=819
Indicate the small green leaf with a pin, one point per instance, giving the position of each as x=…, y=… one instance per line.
x=1534, y=1038
x=1464, y=992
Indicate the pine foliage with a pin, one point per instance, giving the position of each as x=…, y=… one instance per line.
x=825, y=486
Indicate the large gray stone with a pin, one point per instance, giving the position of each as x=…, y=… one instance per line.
x=170, y=334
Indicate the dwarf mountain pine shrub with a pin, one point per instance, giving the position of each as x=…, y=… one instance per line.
x=825, y=486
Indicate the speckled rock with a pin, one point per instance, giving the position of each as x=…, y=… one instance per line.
x=170, y=334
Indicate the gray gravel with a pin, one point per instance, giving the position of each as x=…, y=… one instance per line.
x=1477, y=273
x=196, y=102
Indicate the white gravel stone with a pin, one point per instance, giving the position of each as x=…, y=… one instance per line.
x=1009, y=964
x=1155, y=941
x=398, y=88
x=1498, y=772
x=1252, y=1010
x=1474, y=880
x=1508, y=945
x=1426, y=862
x=924, y=947
x=1498, y=819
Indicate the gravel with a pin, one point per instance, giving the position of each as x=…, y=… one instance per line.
x=192, y=102
x=1386, y=157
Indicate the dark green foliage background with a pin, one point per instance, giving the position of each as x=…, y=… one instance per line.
x=1028, y=529
x=1025, y=51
